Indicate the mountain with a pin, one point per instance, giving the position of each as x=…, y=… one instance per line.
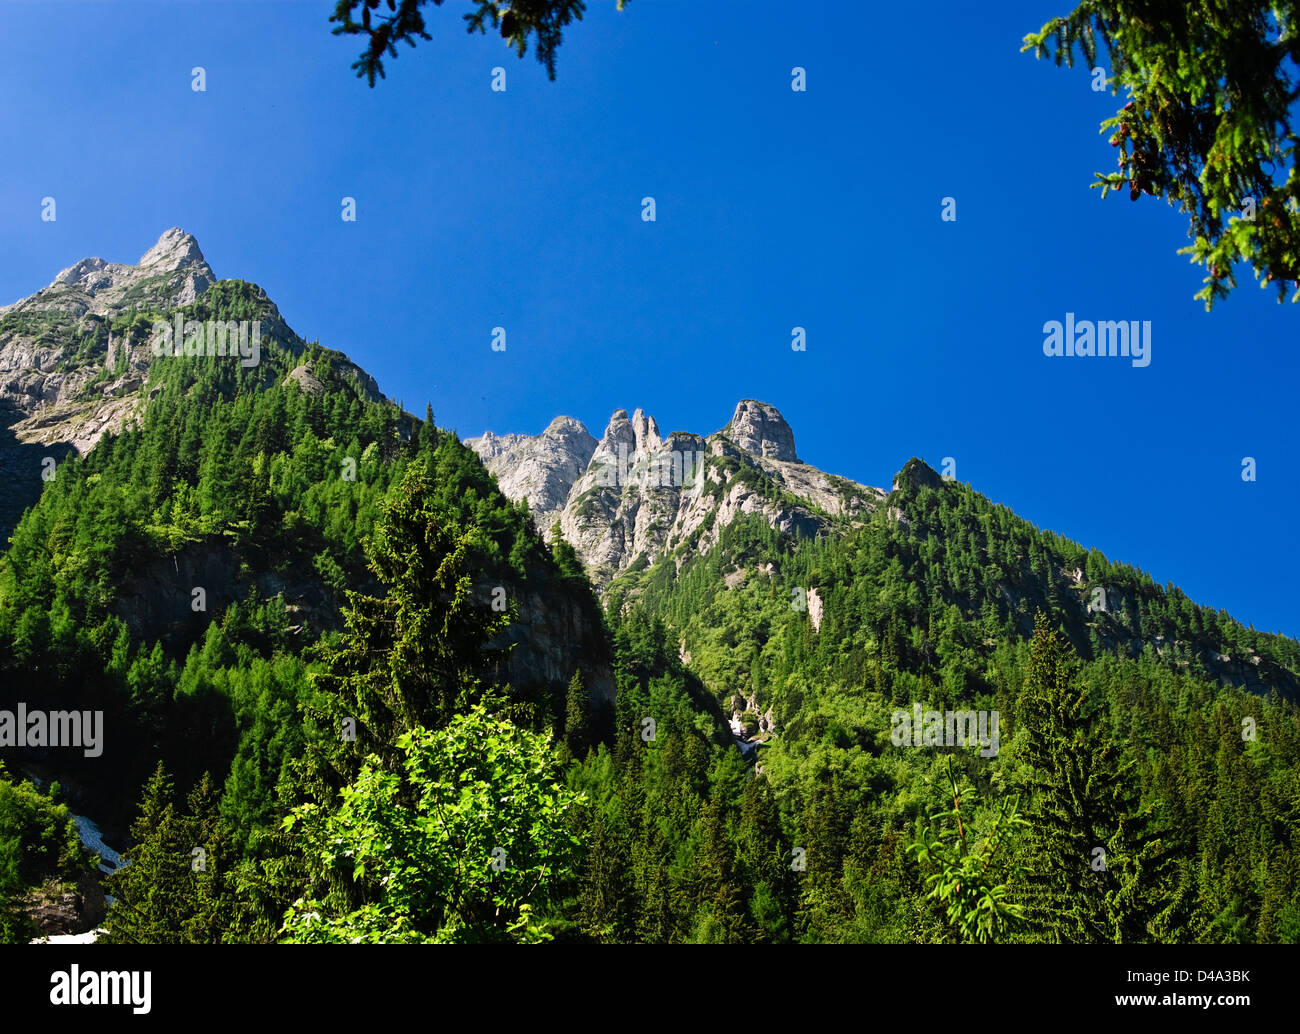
x=636, y=495
x=74, y=357
x=191, y=492
x=256, y=568
x=64, y=376
x=639, y=501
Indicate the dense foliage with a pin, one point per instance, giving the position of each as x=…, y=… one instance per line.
x=1209, y=124
x=38, y=847
x=337, y=745
x=1119, y=730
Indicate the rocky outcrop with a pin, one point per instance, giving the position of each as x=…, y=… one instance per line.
x=66, y=377
x=59, y=356
x=307, y=382
x=642, y=494
x=157, y=600
x=170, y=274
x=750, y=730
x=553, y=635
x=815, y=609
x=916, y=474
x=539, y=469
x=60, y=911
x=758, y=428
x=75, y=357
x=626, y=504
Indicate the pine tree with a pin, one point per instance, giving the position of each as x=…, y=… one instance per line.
x=605, y=895
x=413, y=657
x=967, y=870
x=1210, y=123
x=516, y=22
x=212, y=855
x=576, y=717
x=154, y=892
x=177, y=887
x=721, y=915
x=823, y=903
x=763, y=858
x=1092, y=863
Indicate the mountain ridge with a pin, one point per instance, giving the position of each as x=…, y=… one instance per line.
x=631, y=500
x=637, y=492
x=189, y=573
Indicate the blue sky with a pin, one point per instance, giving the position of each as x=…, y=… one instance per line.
x=775, y=209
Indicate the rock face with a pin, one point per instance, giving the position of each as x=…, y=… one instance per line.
x=170, y=274
x=815, y=609
x=63, y=372
x=758, y=428
x=65, y=377
x=540, y=470
x=74, y=357
x=638, y=494
x=64, y=912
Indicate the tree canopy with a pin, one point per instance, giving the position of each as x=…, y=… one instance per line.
x=516, y=21
x=1209, y=121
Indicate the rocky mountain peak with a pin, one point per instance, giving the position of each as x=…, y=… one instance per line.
x=619, y=429
x=760, y=429
x=646, y=432
x=170, y=274
x=71, y=369
x=539, y=468
x=174, y=250
x=645, y=494
x=619, y=436
x=56, y=346
x=565, y=427
x=637, y=494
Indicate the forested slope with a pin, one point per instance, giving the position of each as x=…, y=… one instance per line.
x=933, y=603
x=350, y=694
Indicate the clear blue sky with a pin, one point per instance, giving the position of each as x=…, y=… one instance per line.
x=775, y=209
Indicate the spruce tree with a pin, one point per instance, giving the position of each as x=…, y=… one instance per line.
x=763, y=857
x=1209, y=124
x=820, y=853
x=155, y=894
x=212, y=856
x=605, y=896
x=576, y=717
x=177, y=887
x=1092, y=862
x=721, y=915
x=514, y=20
x=413, y=657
